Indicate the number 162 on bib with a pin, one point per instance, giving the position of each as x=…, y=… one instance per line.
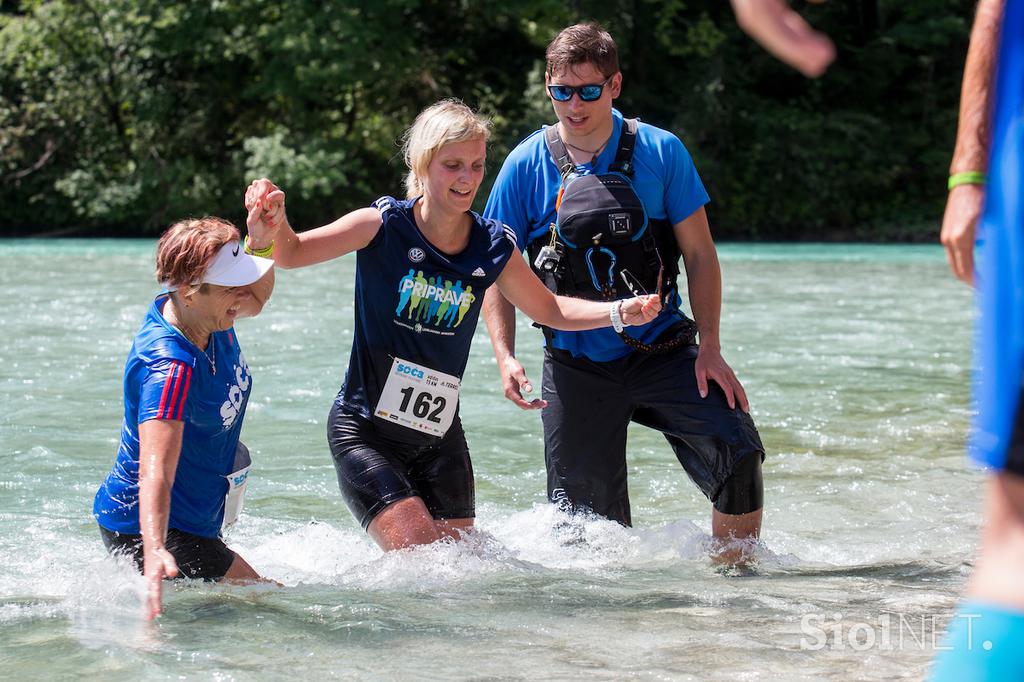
x=419, y=398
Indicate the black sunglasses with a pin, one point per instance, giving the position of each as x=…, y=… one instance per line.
x=588, y=93
x=635, y=286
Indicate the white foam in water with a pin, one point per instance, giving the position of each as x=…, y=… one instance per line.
x=548, y=537
x=319, y=553
x=106, y=607
x=536, y=539
x=313, y=552
x=56, y=575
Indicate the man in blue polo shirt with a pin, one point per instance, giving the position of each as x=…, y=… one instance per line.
x=596, y=382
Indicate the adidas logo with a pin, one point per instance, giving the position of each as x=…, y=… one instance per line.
x=479, y=272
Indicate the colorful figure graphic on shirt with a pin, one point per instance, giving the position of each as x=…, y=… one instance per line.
x=435, y=301
x=445, y=303
x=465, y=303
x=405, y=291
x=453, y=300
x=418, y=291
x=430, y=303
x=428, y=298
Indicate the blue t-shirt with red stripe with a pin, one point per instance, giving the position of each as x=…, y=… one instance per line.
x=167, y=377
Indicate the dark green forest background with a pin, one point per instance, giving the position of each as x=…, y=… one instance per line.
x=120, y=116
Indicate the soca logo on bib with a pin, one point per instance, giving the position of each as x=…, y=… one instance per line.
x=236, y=394
x=411, y=371
x=416, y=254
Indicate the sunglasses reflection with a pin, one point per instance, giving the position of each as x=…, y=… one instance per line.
x=589, y=92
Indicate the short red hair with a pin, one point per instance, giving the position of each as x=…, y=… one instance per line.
x=187, y=248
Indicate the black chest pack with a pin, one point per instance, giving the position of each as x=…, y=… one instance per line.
x=604, y=246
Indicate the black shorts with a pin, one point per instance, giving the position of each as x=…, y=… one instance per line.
x=375, y=471
x=1015, y=453
x=590, y=405
x=1014, y=462
x=197, y=557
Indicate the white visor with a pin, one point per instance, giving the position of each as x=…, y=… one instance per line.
x=233, y=267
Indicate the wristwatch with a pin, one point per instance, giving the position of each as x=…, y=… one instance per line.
x=616, y=316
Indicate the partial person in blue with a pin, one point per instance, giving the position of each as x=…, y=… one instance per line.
x=180, y=471
x=399, y=450
x=988, y=171
x=606, y=205
x=987, y=629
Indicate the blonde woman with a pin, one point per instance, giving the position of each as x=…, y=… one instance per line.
x=422, y=265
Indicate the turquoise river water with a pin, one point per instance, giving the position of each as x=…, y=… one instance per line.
x=856, y=360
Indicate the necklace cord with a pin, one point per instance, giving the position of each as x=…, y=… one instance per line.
x=210, y=352
x=594, y=154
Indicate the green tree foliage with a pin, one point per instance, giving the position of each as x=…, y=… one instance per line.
x=119, y=116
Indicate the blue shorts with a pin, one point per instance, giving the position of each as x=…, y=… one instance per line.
x=983, y=643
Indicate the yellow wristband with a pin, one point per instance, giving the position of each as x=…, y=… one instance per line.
x=261, y=253
x=966, y=178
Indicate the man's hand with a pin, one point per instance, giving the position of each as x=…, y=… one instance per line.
x=711, y=365
x=640, y=309
x=515, y=383
x=157, y=565
x=959, y=225
x=786, y=35
x=965, y=202
x=264, y=202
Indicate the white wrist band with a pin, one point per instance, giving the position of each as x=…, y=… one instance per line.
x=616, y=316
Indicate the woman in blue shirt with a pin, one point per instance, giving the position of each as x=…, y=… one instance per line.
x=180, y=470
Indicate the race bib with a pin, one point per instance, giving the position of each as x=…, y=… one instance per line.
x=236, y=486
x=419, y=398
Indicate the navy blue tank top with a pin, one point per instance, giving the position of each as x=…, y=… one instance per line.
x=418, y=304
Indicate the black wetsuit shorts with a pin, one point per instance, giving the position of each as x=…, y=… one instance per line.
x=375, y=470
x=197, y=557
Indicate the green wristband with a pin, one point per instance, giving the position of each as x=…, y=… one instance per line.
x=266, y=252
x=966, y=178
